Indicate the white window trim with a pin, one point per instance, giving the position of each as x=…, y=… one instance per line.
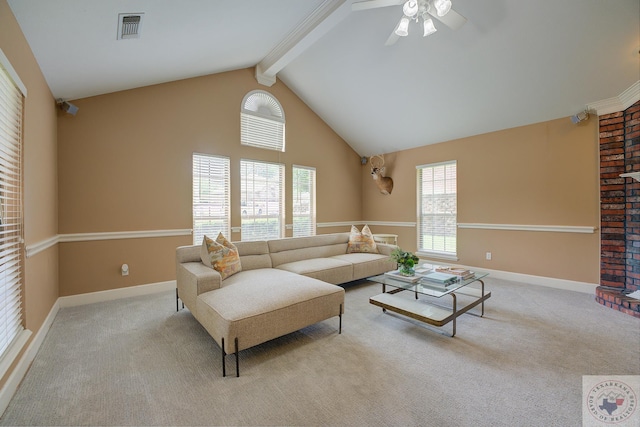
x=281, y=201
x=447, y=256
x=21, y=337
x=262, y=121
x=312, y=200
x=227, y=199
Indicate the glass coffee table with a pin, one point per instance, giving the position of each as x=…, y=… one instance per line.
x=430, y=310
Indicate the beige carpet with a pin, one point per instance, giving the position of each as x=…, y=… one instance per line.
x=138, y=362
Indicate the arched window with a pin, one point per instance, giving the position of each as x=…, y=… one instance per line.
x=262, y=121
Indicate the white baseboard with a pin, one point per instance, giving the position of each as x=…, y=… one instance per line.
x=550, y=282
x=113, y=294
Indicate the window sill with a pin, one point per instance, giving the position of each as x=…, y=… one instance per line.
x=437, y=255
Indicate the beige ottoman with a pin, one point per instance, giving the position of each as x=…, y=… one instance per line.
x=256, y=306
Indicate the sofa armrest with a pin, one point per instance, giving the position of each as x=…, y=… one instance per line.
x=193, y=279
x=385, y=248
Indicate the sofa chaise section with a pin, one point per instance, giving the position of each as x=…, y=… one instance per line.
x=265, y=304
x=285, y=285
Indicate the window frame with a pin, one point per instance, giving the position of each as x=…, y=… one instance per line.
x=13, y=334
x=448, y=249
x=270, y=206
x=262, y=121
x=310, y=213
x=210, y=201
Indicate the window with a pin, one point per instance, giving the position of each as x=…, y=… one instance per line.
x=12, y=332
x=211, y=214
x=437, y=209
x=304, y=201
x=261, y=200
x=262, y=121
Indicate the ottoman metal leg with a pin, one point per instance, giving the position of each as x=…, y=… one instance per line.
x=224, y=371
x=224, y=367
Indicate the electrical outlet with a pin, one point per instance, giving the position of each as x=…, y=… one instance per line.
x=488, y=256
x=124, y=270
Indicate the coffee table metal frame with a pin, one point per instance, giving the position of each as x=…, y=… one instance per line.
x=428, y=311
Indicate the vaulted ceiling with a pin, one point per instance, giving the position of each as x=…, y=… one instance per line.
x=515, y=62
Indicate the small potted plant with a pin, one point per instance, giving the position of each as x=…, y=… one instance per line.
x=406, y=261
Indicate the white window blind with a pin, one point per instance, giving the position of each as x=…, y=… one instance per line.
x=262, y=121
x=261, y=200
x=11, y=219
x=211, y=205
x=304, y=201
x=437, y=209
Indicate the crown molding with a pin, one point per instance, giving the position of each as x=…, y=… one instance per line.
x=618, y=103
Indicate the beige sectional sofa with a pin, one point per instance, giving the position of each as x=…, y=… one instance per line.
x=285, y=285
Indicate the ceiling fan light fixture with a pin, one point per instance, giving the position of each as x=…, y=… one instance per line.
x=403, y=27
x=442, y=7
x=429, y=28
x=410, y=8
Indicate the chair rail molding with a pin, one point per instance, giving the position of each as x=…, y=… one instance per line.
x=350, y=223
x=519, y=227
x=38, y=247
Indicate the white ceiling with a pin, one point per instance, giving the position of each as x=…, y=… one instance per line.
x=514, y=62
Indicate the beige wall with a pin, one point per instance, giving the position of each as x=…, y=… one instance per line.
x=542, y=174
x=125, y=165
x=40, y=173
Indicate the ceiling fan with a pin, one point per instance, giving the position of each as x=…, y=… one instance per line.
x=416, y=10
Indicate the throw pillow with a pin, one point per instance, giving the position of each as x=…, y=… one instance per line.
x=221, y=255
x=361, y=241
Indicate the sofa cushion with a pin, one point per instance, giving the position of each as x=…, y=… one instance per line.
x=254, y=254
x=331, y=270
x=367, y=265
x=221, y=255
x=361, y=241
x=273, y=303
x=293, y=249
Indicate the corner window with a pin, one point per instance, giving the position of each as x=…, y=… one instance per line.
x=13, y=335
x=437, y=210
x=262, y=121
x=304, y=201
x=261, y=200
x=211, y=213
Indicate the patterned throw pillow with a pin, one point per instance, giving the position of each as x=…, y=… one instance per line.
x=221, y=255
x=361, y=241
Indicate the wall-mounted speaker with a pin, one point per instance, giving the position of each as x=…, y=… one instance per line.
x=67, y=107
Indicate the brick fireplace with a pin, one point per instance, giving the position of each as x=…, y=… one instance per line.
x=619, y=135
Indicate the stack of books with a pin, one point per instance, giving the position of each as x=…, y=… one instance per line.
x=456, y=271
x=442, y=279
x=396, y=275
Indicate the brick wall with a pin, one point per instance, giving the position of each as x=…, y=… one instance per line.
x=619, y=210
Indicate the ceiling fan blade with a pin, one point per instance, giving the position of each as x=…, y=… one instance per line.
x=393, y=38
x=374, y=4
x=452, y=19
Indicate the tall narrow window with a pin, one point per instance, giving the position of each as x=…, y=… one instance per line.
x=261, y=200
x=211, y=213
x=262, y=121
x=12, y=330
x=437, y=209
x=304, y=201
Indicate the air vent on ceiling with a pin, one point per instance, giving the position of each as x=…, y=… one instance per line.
x=129, y=25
